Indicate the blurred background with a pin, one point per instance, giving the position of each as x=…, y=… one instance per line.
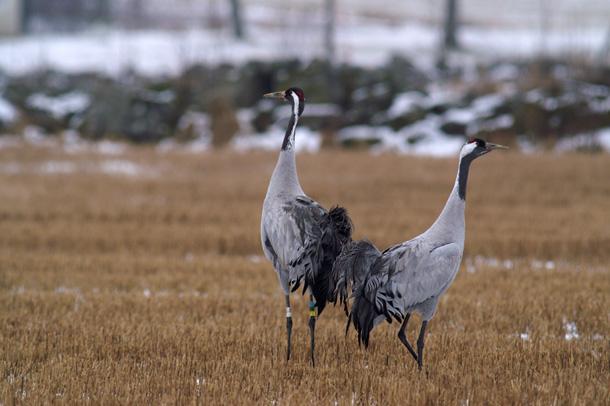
x=412, y=76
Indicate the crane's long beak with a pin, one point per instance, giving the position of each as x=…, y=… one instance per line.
x=491, y=147
x=275, y=95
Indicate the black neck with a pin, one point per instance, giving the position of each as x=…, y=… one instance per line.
x=289, y=136
x=463, y=175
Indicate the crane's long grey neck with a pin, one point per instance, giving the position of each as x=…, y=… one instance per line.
x=450, y=224
x=285, y=180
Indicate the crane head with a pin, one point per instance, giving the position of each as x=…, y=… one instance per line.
x=476, y=147
x=294, y=96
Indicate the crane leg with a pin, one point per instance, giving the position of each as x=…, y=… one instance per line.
x=420, y=344
x=403, y=337
x=312, y=327
x=288, y=325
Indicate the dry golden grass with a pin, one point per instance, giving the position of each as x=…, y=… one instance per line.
x=152, y=289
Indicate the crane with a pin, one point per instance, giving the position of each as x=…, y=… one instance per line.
x=299, y=237
x=410, y=276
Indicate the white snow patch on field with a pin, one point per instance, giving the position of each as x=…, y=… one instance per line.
x=571, y=332
x=123, y=167
x=113, y=167
x=60, y=106
x=110, y=147
x=57, y=167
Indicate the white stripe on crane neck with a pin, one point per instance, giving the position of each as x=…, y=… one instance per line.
x=295, y=104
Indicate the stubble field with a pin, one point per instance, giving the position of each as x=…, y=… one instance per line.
x=139, y=279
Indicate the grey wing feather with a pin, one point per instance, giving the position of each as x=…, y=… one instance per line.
x=415, y=274
x=351, y=269
x=306, y=215
x=308, y=240
x=286, y=229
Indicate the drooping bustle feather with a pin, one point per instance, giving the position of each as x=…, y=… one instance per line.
x=350, y=269
x=315, y=262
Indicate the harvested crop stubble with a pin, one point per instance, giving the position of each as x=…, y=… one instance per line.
x=151, y=288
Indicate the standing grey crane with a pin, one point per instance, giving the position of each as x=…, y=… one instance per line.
x=413, y=275
x=299, y=237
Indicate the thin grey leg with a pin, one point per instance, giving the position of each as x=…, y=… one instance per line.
x=312, y=327
x=403, y=337
x=420, y=344
x=288, y=325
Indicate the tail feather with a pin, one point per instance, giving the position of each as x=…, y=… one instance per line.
x=318, y=256
x=341, y=223
x=362, y=316
x=351, y=269
x=337, y=230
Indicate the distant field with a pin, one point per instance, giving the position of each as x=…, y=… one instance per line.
x=138, y=278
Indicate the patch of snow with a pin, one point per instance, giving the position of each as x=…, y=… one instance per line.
x=571, y=332
x=603, y=137
x=363, y=37
x=460, y=115
x=486, y=104
x=197, y=121
x=504, y=72
x=526, y=145
x=405, y=103
x=534, y=96
x=110, y=147
x=60, y=106
x=524, y=336
x=497, y=123
x=599, y=138
x=255, y=258
x=200, y=144
x=72, y=142
x=57, y=167
x=493, y=262
x=68, y=291
x=439, y=93
x=147, y=293
x=34, y=135
x=122, y=167
x=8, y=113
x=421, y=138
x=305, y=140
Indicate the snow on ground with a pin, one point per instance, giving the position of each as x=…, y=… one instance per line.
x=597, y=139
x=359, y=40
x=111, y=167
x=571, y=332
x=8, y=113
x=305, y=140
x=60, y=106
x=123, y=167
